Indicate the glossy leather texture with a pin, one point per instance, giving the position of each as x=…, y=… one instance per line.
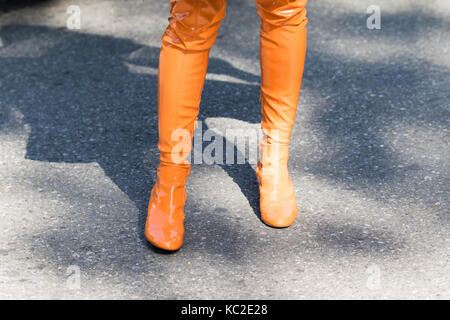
x=165, y=221
x=282, y=51
x=192, y=30
x=278, y=205
x=183, y=61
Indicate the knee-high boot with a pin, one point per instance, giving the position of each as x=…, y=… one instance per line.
x=282, y=49
x=183, y=61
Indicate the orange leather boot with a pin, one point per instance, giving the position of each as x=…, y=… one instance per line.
x=282, y=50
x=183, y=61
x=164, y=227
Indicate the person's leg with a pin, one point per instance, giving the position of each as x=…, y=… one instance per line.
x=282, y=49
x=183, y=61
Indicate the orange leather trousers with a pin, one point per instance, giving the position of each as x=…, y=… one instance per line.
x=192, y=31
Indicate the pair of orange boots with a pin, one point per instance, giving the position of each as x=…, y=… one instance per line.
x=192, y=31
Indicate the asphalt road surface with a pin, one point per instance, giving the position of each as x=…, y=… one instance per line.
x=370, y=157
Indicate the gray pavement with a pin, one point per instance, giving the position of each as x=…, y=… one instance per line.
x=370, y=157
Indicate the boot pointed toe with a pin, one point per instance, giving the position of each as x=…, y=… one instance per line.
x=164, y=227
x=167, y=237
x=279, y=214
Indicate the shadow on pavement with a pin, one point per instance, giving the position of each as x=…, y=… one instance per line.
x=83, y=104
x=11, y=5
